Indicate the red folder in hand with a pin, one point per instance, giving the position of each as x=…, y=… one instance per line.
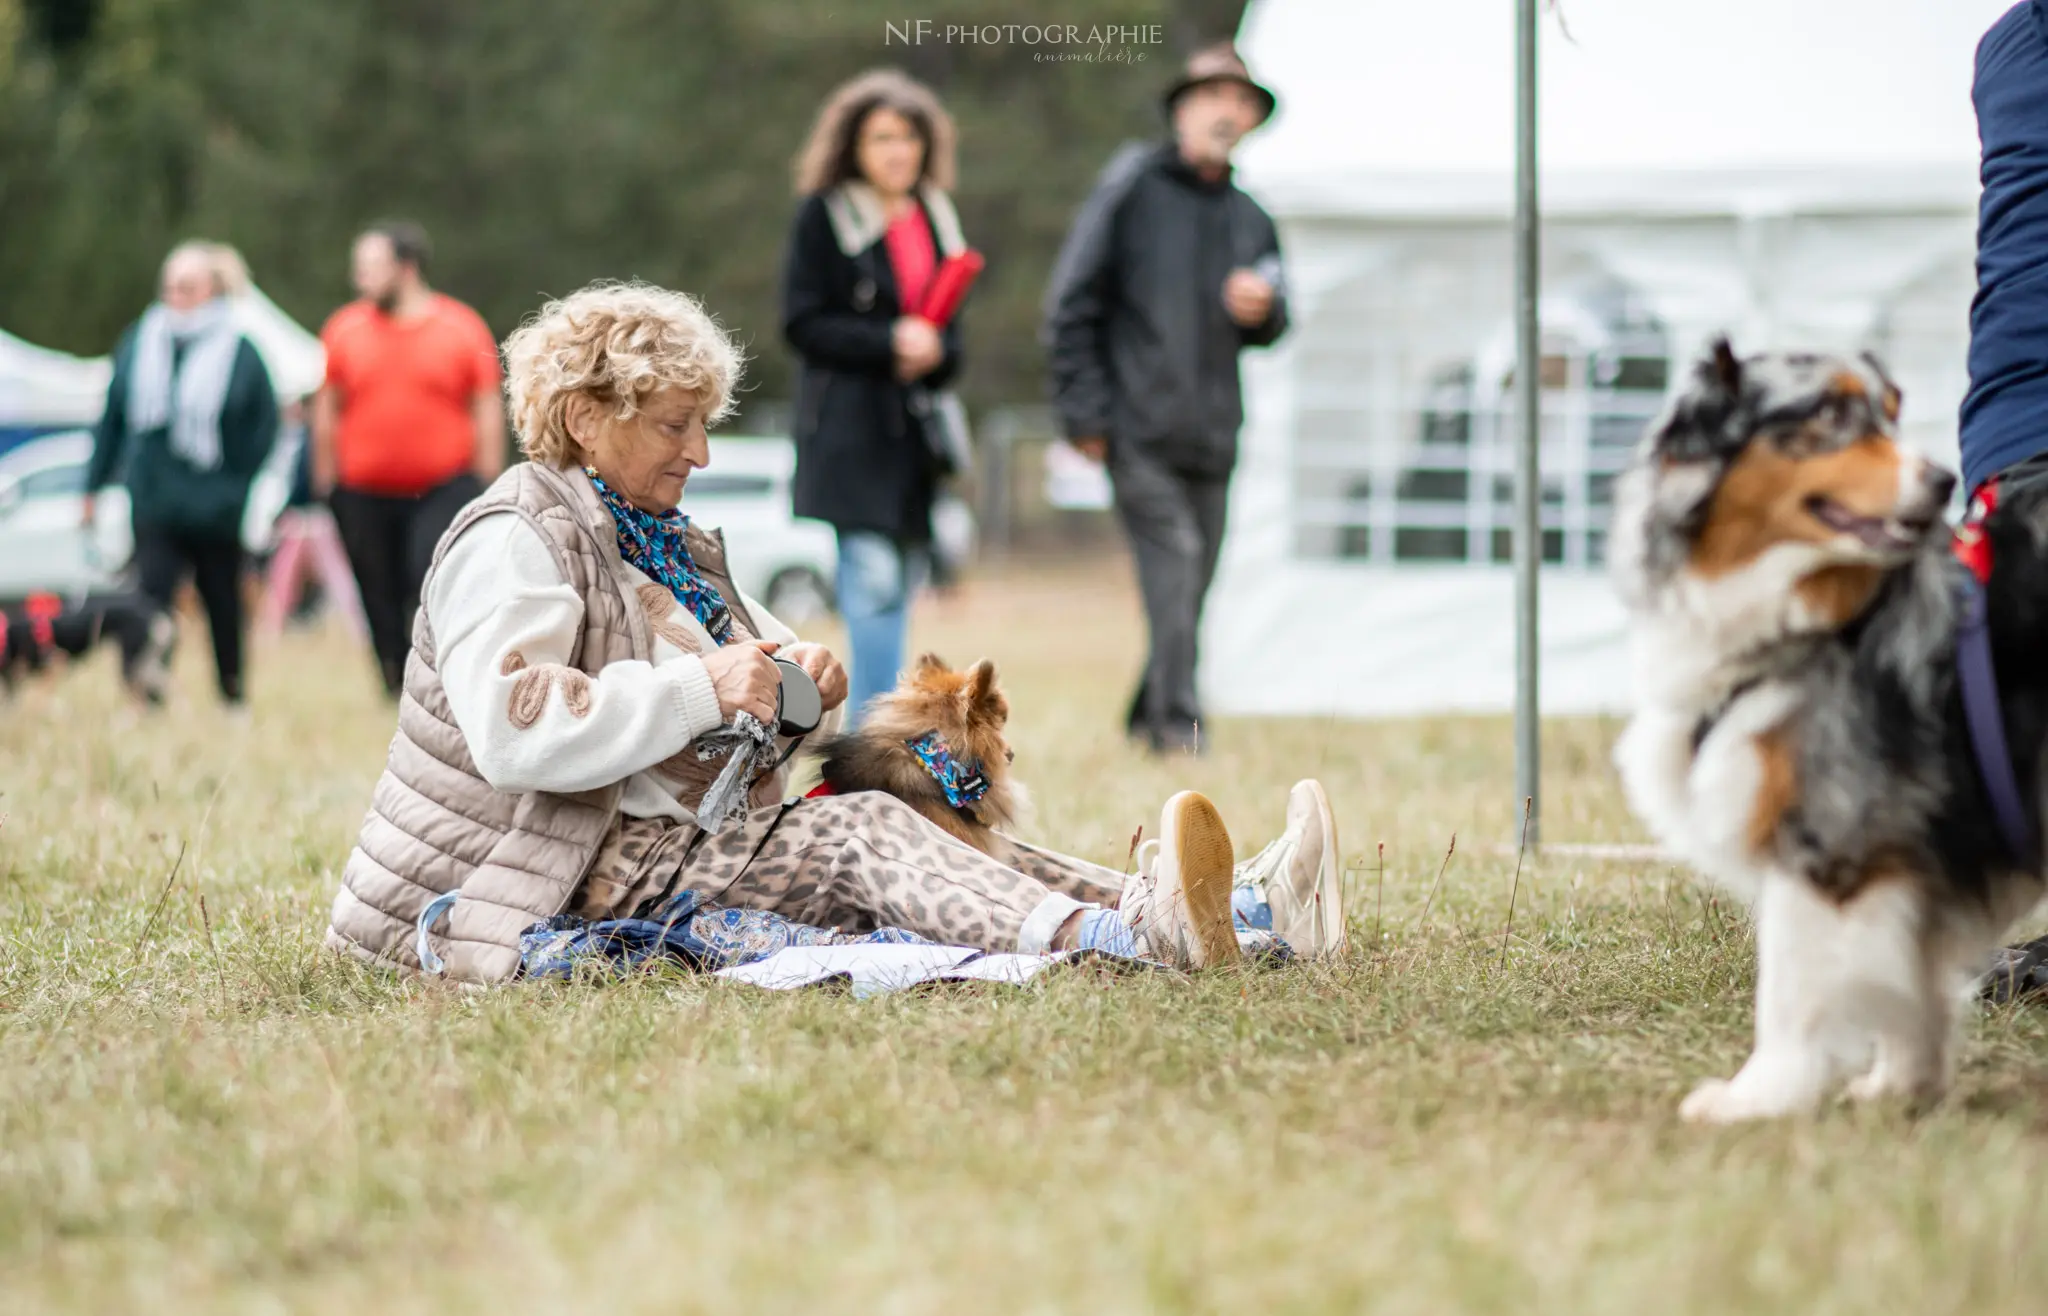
x=955, y=276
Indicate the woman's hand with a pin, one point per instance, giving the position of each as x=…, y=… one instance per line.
x=919, y=350
x=745, y=678
x=819, y=664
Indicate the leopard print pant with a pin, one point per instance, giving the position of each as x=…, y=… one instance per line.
x=854, y=862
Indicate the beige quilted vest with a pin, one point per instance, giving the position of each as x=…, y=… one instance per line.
x=435, y=824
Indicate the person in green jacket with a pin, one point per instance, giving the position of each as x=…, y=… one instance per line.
x=190, y=416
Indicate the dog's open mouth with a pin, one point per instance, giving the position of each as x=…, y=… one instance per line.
x=1883, y=533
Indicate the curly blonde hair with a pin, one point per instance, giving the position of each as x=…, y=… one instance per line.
x=617, y=343
x=831, y=154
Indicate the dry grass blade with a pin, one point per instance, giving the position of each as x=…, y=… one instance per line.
x=1528, y=809
x=213, y=950
x=1422, y=922
x=150, y=925
x=1379, y=898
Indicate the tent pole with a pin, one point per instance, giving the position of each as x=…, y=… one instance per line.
x=1528, y=537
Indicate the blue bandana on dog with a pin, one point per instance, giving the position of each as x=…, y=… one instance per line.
x=656, y=546
x=962, y=781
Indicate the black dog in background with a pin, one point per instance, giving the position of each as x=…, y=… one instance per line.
x=37, y=631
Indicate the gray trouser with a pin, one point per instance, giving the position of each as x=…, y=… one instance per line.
x=1175, y=522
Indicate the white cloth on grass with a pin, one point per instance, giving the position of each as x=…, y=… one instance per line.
x=872, y=969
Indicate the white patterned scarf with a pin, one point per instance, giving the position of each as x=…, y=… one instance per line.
x=210, y=340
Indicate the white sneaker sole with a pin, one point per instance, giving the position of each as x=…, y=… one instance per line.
x=1194, y=847
x=1332, y=928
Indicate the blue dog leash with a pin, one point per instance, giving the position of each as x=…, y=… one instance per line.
x=1985, y=717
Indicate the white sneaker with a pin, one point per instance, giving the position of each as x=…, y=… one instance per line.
x=1178, y=904
x=150, y=675
x=1298, y=877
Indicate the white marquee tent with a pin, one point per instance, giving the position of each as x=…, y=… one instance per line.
x=42, y=389
x=1791, y=171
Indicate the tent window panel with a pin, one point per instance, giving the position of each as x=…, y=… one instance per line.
x=1404, y=447
x=1429, y=544
x=1551, y=495
x=1640, y=374
x=1425, y=486
x=1553, y=546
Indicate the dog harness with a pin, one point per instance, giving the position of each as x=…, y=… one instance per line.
x=1982, y=712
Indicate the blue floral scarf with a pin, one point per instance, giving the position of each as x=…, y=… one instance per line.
x=656, y=546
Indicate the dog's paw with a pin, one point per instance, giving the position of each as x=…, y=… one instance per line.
x=1709, y=1103
x=1732, y=1101
x=1747, y=1096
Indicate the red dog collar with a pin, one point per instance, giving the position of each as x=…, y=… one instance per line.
x=1972, y=548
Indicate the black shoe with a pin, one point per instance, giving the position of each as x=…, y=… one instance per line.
x=2018, y=973
x=1187, y=739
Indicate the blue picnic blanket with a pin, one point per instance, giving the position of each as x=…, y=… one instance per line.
x=683, y=928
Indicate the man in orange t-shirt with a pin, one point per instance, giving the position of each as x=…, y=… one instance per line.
x=409, y=426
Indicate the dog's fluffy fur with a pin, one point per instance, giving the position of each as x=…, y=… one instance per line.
x=1799, y=733
x=969, y=710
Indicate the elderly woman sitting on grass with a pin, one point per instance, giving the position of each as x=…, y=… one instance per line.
x=579, y=667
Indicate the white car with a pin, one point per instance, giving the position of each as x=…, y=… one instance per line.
x=784, y=562
x=43, y=549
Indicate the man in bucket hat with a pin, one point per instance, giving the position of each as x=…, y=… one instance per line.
x=1168, y=272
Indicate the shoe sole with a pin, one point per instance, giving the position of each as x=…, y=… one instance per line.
x=1333, y=928
x=1195, y=845
x=152, y=674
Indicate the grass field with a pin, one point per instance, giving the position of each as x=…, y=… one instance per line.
x=202, y=1111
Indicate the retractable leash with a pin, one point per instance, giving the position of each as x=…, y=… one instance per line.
x=798, y=710
x=1977, y=675
x=422, y=943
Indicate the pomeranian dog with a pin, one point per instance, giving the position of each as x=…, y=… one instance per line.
x=935, y=742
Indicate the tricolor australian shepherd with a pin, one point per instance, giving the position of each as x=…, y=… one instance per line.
x=1799, y=733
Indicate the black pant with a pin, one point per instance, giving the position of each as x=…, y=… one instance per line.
x=1175, y=520
x=163, y=558
x=390, y=540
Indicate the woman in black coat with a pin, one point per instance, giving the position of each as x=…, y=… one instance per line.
x=873, y=227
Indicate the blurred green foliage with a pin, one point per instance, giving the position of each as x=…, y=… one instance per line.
x=544, y=143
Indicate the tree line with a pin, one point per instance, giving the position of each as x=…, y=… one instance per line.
x=543, y=143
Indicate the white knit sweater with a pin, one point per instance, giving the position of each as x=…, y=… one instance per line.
x=502, y=614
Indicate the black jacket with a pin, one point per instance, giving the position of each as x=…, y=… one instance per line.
x=862, y=462
x=164, y=490
x=1140, y=349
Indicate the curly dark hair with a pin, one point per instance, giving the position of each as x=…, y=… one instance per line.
x=831, y=155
